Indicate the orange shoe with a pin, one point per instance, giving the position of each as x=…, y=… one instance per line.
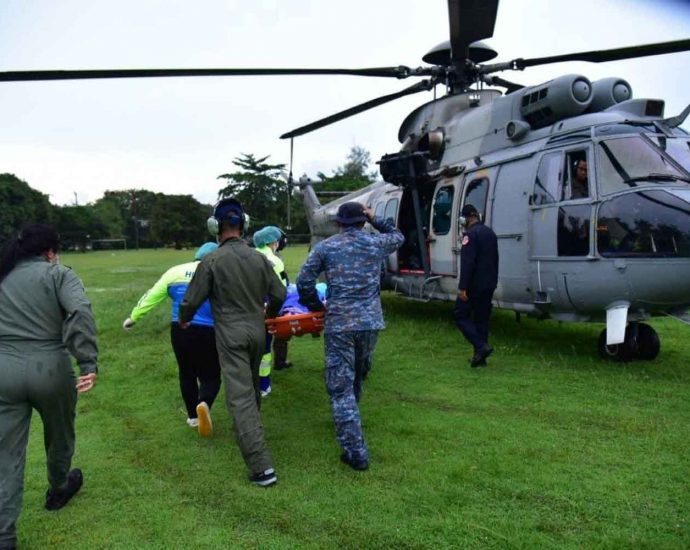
x=205, y=424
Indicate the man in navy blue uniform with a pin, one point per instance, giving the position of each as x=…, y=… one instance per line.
x=478, y=280
x=351, y=261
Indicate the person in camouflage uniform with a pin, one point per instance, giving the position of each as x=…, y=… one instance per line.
x=45, y=314
x=351, y=261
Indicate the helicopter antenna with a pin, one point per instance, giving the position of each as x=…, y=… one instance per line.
x=289, y=184
x=677, y=120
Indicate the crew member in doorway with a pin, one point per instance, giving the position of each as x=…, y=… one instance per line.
x=478, y=280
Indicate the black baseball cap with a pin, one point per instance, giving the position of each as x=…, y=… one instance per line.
x=469, y=210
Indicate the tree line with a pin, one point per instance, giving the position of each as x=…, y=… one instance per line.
x=148, y=219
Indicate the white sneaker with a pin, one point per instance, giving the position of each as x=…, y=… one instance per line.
x=264, y=393
x=192, y=422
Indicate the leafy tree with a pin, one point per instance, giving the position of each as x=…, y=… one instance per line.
x=352, y=175
x=179, y=219
x=111, y=217
x=135, y=206
x=21, y=205
x=261, y=188
x=79, y=224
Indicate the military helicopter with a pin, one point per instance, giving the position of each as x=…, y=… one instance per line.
x=613, y=246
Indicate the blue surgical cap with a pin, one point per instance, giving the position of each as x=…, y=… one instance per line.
x=205, y=249
x=267, y=235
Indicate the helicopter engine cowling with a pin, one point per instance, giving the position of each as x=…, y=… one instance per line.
x=607, y=92
x=563, y=97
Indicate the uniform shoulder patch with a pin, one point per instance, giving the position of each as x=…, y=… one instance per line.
x=465, y=240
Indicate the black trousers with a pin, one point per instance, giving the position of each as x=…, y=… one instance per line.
x=472, y=317
x=198, y=366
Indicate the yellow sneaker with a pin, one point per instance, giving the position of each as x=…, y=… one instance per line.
x=205, y=424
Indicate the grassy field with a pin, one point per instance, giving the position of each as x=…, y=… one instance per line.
x=548, y=447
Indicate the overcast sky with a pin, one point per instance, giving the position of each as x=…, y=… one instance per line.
x=177, y=135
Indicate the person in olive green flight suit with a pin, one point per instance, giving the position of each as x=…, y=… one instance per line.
x=44, y=314
x=236, y=279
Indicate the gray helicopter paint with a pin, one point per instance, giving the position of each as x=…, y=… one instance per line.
x=532, y=279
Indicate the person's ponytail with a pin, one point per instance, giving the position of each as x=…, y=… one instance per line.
x=33, y=240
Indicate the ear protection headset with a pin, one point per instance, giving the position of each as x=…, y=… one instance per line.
x=462, y=220
x=226, y=210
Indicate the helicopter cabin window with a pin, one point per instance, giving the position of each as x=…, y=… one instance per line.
x=630, y=162
x=576, y=176
x=650, y=223
x=391, y=210
x=548, y=182
x=443, y=206
x=476, y=194
x=379, y=210
x=573, y=230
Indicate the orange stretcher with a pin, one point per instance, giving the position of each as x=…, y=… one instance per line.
x=287, y=326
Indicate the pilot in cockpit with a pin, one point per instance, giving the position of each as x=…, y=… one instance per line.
x=579, y=187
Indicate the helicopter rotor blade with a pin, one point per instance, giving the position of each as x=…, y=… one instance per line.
x=597, y=56
x=470, y=20
x=22, y=76
x=498, y=81
x=421, y=86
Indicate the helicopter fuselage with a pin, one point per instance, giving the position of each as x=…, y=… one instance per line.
x=570, y=248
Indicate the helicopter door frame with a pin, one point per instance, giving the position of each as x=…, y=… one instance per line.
x=487, y=175
x=443, y=231
x=392, y=210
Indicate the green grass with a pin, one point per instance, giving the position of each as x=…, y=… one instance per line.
x=548, y=447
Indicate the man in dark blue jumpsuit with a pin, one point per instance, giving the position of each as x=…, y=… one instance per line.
x=478, y=280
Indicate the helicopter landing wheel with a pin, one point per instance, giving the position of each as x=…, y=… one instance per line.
x=648, y=343
x=623, y=352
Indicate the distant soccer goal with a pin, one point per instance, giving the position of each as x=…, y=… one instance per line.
x=109, y=244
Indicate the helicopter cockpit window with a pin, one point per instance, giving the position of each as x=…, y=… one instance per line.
x=391, y=209
x=547, y=184
x=576, y=176
x=648, y=223
x=378, y=212
x=627, y=163
x=443, y=206
x=677, y=148
x=573, y=230
x=476, y=194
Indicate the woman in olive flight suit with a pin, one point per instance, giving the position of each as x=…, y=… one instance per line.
x=43, y=314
